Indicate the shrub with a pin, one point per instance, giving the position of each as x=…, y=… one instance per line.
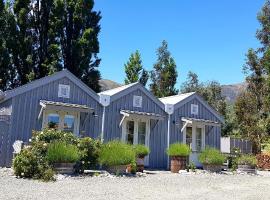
x=89, y=150
x=116, y=153
x=60, y=152
x=247, y=160
x=48, y=175
x=141, y=150
x=263, y=161
x=178, y=149
x=211, y=156
x=27, y=164
x=52, y=135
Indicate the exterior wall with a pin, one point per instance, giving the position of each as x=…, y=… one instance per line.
x=212, y=134
x=26, y=109
x=158, y=132
x=5, y=127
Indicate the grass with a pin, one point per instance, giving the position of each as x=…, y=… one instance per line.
x=60, y=152
x=211, y=156
x=141, y=150
x=116, y=153
x=178, y=149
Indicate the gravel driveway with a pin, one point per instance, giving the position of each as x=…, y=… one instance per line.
x=159, y=185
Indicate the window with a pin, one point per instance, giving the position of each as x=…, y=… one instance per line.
x=137, y=101
x=198, y=139
x=194, y=109
x=61, y=120
x=130, y=132
x=69, y=121
x=141, y=132
x=53, y=120
x=63, y=91
x=189, y=136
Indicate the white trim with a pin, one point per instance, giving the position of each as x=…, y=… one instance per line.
x=103, y=124
x=61, y=119
x=168, y=141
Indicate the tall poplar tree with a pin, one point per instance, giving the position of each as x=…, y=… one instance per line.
x=134, y=70
x=164, y=75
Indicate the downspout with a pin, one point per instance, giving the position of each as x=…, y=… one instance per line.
x=104, y=100
x=168, y=140
x=103, y=124
x=169, y=109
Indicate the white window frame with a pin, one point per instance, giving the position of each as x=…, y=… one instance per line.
x=135, y=99
x=136, y=135
x=193, y=145
x=62, y=86
x=61, y=119
x=192, y=109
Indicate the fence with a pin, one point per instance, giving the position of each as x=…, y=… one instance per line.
x=228, y=144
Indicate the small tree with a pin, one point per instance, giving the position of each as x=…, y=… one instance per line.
x=134, y=70
x=164, y=75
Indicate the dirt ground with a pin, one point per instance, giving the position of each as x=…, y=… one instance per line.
x=153, y=185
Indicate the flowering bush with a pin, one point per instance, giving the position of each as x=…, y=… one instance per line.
x=89, y=150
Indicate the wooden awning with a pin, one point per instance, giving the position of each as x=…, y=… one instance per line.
x=61, y=106
x=132, y=113
x=207, y=122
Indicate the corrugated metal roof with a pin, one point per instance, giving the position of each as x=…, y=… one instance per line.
x=151, y=115
x=65, y=105
x=176, y=98
x=206, y=121
x=117, y=90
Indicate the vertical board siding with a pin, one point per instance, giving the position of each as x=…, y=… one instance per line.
x=158, y=134
x=212, y=134
x=245, y=146
x=5, y=127
x=26, y=108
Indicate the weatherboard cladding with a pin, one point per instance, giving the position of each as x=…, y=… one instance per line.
x=213, y=134
x=5, y=127
x=26, y=107
x=157, y=157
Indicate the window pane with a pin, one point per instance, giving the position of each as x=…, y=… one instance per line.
x=69, y=123
x=130, y=132
x=53, y=120
x=189, y=136
x=141, y=132
x=198, y=139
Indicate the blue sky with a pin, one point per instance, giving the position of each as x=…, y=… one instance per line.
x=208, y=37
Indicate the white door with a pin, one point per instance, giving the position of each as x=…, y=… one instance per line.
x=137, y=131
x=194, y=137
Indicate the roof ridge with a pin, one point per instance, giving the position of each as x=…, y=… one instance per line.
x=177, y=95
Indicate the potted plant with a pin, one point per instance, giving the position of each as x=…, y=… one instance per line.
x=140, y=151
x=178, y=153
x=115, y=156
x=211, y=159
x=246, y=164
x=62, y=156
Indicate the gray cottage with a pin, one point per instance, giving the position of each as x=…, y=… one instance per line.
x=60, y=100
x=132, y=114
x=192, y=121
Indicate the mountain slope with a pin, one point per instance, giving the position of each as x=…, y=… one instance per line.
x=230, y=92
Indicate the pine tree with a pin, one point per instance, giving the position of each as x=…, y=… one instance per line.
x=134, y=70
x=191, y=84
x=164, y=75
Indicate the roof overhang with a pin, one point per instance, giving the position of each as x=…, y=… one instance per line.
x=60, y=106
x=200, y=122
x=139, y=114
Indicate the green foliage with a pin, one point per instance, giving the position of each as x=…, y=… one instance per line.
x=60, y=152
x=89, y=152
x=51, y=135
x=178, y=149
x=38, y=38
x=116, y=153
x=134, y=70
x=211, y=156
x=29, y=165
x=191, y=166
x=247, y=160
x=164, y=75
x=141, y=150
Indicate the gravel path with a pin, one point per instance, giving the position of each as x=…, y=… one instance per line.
x=162, y=185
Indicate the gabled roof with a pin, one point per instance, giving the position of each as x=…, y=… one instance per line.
x=47, y=79
x=119, y=92
x=175, y=98
x=181, y=99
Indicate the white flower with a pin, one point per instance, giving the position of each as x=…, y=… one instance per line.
x=30, y=140
x=83, y=162
x=22, y=174
x=45, y=144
